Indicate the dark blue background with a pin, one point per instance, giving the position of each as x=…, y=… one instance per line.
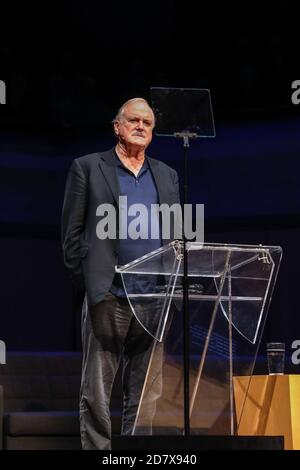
x=67, y=71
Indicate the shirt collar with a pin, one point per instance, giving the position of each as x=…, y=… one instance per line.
x=120, y=164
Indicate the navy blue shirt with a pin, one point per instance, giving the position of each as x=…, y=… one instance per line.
x=140, y=189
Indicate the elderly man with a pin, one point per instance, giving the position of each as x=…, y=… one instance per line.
x=110, y=332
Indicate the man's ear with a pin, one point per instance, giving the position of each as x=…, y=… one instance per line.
x=116, y=127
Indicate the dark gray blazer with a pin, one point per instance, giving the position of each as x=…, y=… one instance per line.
x=92, y=180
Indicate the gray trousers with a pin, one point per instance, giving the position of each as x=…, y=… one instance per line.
x=111, y=333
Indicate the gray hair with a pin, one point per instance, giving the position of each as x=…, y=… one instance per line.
x=119, y=115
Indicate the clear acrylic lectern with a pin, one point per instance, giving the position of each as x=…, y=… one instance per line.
x=230, y=288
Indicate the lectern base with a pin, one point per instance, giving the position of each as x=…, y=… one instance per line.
x=197, y=443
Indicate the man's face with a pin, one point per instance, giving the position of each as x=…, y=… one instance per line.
x=136, y=125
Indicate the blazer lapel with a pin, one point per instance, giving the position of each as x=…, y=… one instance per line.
x=107, y=165
x=154, y=166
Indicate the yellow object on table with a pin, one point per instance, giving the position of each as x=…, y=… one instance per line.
x=271, y=408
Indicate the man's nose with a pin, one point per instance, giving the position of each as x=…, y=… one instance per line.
x=141, y=124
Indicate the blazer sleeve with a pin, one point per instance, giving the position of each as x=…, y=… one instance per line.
x=73, y=221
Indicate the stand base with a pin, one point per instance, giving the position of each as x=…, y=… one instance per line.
x=197, y=443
